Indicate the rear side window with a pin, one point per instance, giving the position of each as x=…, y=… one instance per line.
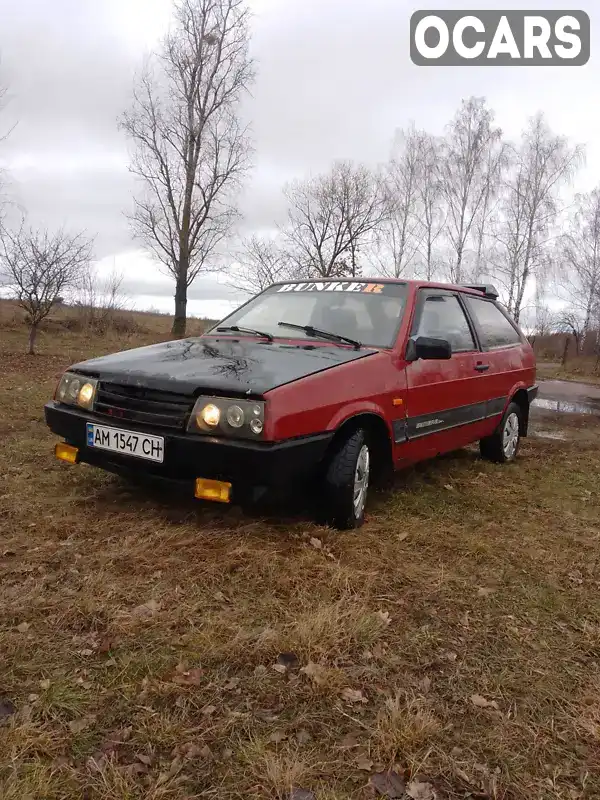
x=494, y=328
x=442, y=317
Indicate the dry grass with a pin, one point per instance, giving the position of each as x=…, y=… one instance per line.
x=138, y=631
x=584, y=369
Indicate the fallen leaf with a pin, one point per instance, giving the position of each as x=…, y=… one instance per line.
x=279, y=668
x=419, y=790
x=277, y=737
x=45, y=684
x=147, y=609
x=379, y=650
x=23, y=627
x=7, y=708
x=31, y=698
x=384, y=616
x=232, y=683
x=349, y=741
x=449, y=488
x=426, y=684
x=144, y=758
x=402, y=536
x=288, y=660
x=481, y=702
x=209, y=711
x=206, y=752
x=220, y=597
x=301, y=794
x=485, y=591
x=81, y=724
x=86, y=652
x=227, y=754
x=260, y=670
x=303, y=736
x=106, y=645
x=191, y=677
x=364, y=764
x=315, y=672
x=316, y=543
x=353, y=695
x=388, y=784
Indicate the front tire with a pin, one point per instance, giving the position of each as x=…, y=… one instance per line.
x=503, y=445
x=346, y=483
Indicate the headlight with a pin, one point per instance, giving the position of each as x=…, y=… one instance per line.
x=223, y=416
x=76, y=390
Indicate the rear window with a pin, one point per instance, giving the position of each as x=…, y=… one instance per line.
x=495, y=330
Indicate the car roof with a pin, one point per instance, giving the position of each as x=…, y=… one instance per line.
x=477, y=290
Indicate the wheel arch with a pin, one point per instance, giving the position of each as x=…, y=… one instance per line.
x=379, y=436
x=521, y=398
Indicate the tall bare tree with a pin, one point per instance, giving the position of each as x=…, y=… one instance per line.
x=331, y=218
x=397, y=237
x=470, y=160
x=430, y=196
x=579, y=262
x=190, y=149
x=261, y=262
x=538, y=167
x=38, y=267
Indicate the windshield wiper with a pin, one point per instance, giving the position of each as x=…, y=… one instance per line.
x=237, y=329
x=334, y=337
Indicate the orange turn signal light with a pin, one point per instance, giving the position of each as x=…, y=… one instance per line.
x=398, y=401
x=66, y=452
x=217, y=491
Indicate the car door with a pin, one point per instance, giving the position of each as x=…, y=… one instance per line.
x=446, y=399
x=505, y=352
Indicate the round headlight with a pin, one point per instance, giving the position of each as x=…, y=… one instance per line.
x=210, y=415
x=73, y=390
x=256, y=426
x=86, y=394
x=256, y=410
x=235, y=416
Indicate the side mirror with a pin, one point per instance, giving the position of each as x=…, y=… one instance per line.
x=428, y=348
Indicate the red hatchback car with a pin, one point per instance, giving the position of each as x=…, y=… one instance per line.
x=332, y=382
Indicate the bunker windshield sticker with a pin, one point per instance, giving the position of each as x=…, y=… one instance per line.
x=366, y=287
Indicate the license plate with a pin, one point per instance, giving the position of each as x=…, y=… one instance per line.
x=140, y=445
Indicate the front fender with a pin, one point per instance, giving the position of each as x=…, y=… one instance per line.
x=354, y=410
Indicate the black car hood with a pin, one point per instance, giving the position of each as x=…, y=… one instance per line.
x=221, y=365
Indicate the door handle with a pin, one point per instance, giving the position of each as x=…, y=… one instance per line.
x=482, y=367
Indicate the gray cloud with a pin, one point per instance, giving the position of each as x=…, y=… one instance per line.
x=334, y=81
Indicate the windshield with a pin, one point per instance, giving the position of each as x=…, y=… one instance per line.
x=365, y=311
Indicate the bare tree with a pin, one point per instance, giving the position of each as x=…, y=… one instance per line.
x=538, y=167
x=430, y=199
x=397, y=237
x=39, y=267
x=331, y=217
x=190, y=150
x=100, y=300
x=579, y=260
x=470, y=161
x=262, y=262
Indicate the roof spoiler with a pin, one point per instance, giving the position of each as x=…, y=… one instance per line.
x=485, y=288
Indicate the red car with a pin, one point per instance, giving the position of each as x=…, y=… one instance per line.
x=336, y=382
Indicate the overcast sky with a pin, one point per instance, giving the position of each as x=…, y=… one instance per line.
x=334, y=81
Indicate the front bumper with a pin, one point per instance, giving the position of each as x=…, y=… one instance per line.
x=187, y=457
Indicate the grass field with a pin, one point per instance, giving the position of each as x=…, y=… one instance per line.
x=454, y=640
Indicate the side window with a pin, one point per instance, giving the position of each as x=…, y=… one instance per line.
x=442, y=317
x=495, y=329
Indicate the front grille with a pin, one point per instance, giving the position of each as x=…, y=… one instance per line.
x=146, y=406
